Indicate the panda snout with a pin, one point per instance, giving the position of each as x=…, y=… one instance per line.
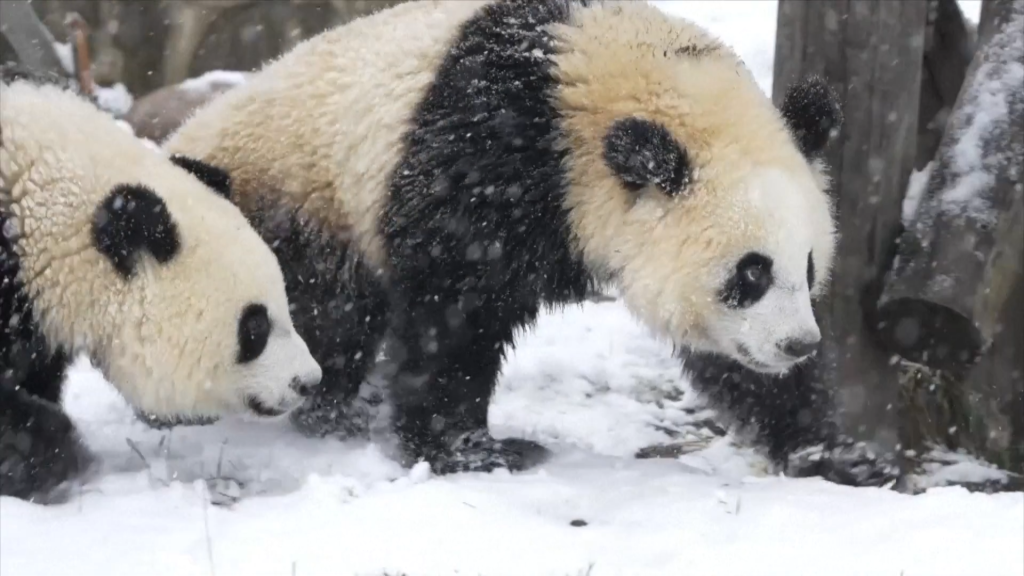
x=800, y=347
x=305, y=385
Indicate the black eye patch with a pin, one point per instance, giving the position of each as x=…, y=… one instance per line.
x=253, y=332
x=641, y=152
x=749, y=282
x=810, y=269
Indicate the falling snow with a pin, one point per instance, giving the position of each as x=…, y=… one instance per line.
x=251, y=499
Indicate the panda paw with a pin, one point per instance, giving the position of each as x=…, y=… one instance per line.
x=325, y=415
x=41, y=455
x=477, y=451
x=845, y=462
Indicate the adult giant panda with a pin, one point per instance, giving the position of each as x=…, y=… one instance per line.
x=438, y=171
x=110, y=249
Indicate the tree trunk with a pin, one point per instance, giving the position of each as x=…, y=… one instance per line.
x=948, y=49
x=955, y=289
x=871, y=53
x=148, y=44
x=31, y=41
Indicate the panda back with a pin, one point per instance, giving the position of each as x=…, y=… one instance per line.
x=320, y=130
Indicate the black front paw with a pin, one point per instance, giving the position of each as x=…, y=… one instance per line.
x=477, y=451
x=332, y=415
x=844, y=462
x=40, y=452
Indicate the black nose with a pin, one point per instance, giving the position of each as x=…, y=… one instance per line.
x=303, y=387
x=799, y=348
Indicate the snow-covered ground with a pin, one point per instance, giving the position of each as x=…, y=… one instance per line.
x=589, y=382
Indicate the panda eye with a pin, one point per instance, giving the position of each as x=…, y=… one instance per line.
x=253, y=332
x=753, y=274
x=749, y=282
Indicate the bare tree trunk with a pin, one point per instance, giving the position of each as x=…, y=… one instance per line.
x=871, y=53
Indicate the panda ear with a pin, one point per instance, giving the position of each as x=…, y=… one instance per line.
x=130, y=219
x=812, y=112
x=215, y=178
x=641, y=152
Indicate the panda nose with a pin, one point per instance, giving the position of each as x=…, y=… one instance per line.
x=799, y=348
x=304, y=386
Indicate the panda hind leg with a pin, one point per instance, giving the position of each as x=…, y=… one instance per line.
x=41, y=453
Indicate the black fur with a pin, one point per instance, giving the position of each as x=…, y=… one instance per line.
x=810, y=270
x=786, y=413
x=812, y=111
x=39, y=449
x=133, y=218
x=215, y=178
x=477, y=235
x=641, y=152
x=253, y=332
x=791, y=416
x=749, y=282
x=338, y=307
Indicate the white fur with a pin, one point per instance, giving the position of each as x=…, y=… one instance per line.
x=320, y=130
x=167, y=337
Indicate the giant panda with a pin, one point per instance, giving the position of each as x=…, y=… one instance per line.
x=111, y=249
x=431, y=175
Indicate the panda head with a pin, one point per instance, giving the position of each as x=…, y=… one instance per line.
x=706, y=205
x=204, y=327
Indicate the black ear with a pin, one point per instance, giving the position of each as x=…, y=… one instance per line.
x=216, y=178
x=812, y=112
x=641, y=152
x=133, y=218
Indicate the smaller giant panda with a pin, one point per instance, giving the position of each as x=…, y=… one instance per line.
x=431, y=175
x=110, y=249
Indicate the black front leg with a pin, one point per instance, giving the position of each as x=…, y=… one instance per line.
x=444, y=359
x=792, y=417
x=40, y=450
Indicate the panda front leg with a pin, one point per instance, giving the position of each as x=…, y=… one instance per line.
x=792, y=417
x=444, y=356
x=40, y=450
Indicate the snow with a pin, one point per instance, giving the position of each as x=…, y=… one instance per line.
x=589, y=382
x=942, y=466
x=66, y=56
x=207, y=82
x=915, y=191
x=115, y=99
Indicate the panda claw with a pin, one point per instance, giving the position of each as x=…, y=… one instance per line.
x=478, y=452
